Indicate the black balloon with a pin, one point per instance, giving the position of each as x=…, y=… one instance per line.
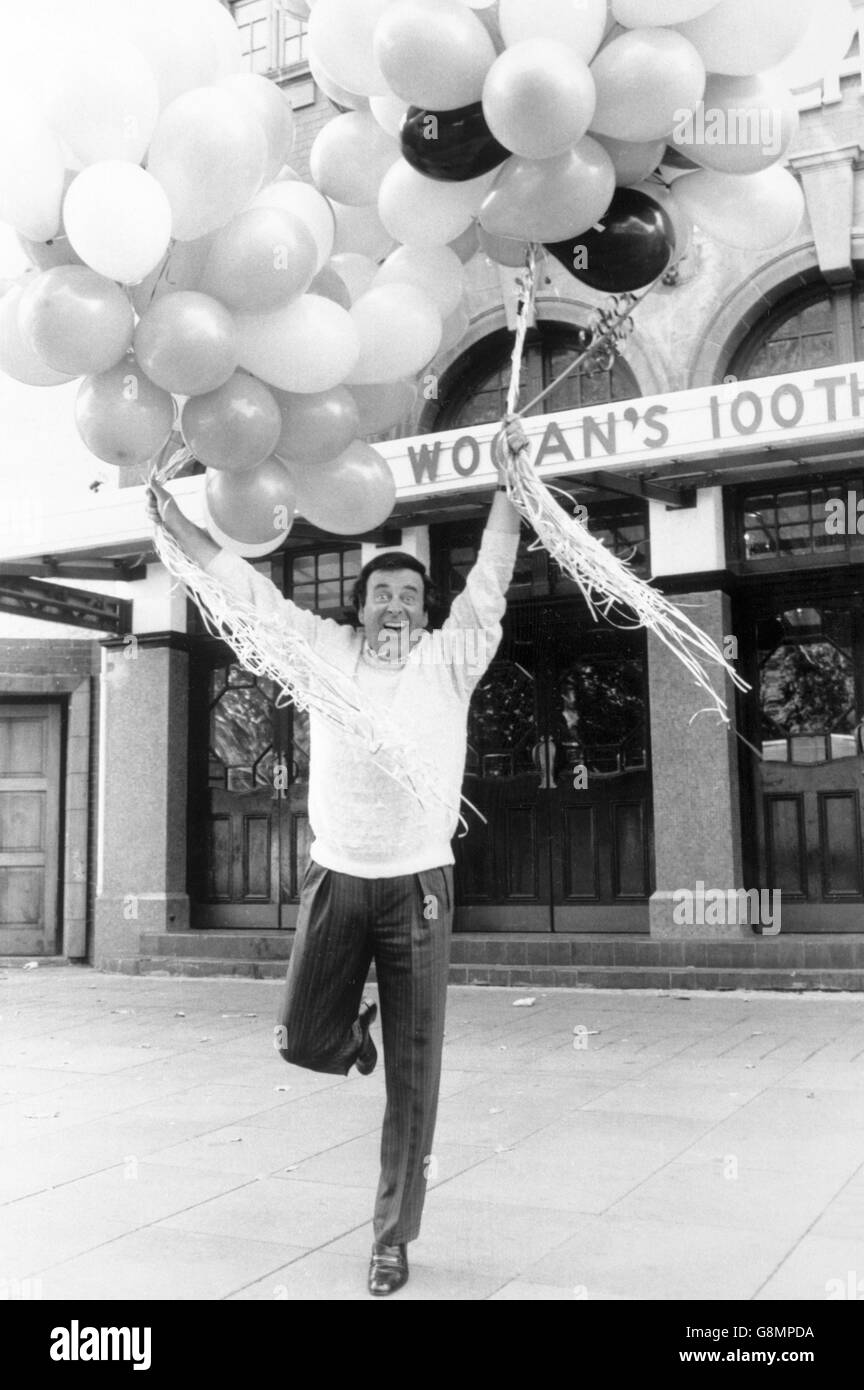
x=634, y=247
x=451, y=146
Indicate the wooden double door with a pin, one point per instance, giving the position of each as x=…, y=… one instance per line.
x=558, y=765
x=803, y=775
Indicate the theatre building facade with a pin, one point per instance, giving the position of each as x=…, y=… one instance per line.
x=615, y=819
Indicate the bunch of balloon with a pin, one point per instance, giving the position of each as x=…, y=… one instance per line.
x=197, y=284
x=541, y=120
x=198, y=288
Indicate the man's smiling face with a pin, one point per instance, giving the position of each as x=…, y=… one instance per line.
x=393, y=612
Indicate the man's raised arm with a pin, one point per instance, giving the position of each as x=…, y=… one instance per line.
x=236, y=574
x=478, y=610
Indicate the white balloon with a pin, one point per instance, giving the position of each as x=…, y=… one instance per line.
x=270, y=104
x=248, y=550
x=742, y=125
x=820, y=52
x=341, y=34
x=106, y=101
x=389, y=111
x=118, y=219
x=400, y=331
x=309, y=205
x=356, y=272
x=188, y=43
x=224, y=41
x=425, y=212
x=751, y=212
x=580, y=24
x=741, y=38
x=633, y=160
x=636, y=13
x=338, y=96
x=360, y=230
x=436, y=55
x=436, y=270
x=209, y=152
x=17, y=358
x=645, y=78
x=310, y=345
x=31, y=171
x=538, y=98
x=350, y=156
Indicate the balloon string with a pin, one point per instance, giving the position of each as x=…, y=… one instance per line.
x=604, y=333
x=163, y=270
x=524, y=313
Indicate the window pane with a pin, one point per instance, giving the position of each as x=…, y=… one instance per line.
x=817, y=318
x=795, y=523
x=809, y=710
x=481, y=392
x=502, y=728
x=252, y=18
x=804, y=338
x=329, y=595
x=303, y=570
x=304, y=596
x=292, y=40
x=328, y=567
x=241, y=727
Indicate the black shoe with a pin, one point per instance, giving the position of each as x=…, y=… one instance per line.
x=368, y=1054
x=388, y=1269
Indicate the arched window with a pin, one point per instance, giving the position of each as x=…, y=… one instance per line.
x=473, y=391
x=817, y=328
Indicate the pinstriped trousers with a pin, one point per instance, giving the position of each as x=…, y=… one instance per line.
x=404, y=925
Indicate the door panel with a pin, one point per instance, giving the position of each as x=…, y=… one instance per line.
x=580, y=858
x=29, y=828
x=502, y=866
x=629, y=843
x=840, y=836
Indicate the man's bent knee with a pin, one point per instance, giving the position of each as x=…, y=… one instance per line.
x=292, y=1050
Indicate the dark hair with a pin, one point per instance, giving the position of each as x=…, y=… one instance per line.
x=390, y=560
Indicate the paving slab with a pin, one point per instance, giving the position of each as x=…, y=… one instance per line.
x=592, y=1145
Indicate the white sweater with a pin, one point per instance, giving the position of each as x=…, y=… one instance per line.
x=362, y=820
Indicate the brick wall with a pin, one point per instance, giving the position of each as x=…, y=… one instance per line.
x=308, y=121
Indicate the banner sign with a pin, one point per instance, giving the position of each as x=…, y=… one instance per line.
x=710, y=423
x=792, y=413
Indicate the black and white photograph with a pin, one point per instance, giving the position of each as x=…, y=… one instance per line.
x=432, y=666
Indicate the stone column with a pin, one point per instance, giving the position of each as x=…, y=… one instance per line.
x=141, y=877
x=697, y=818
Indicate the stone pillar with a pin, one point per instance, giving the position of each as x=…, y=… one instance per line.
x=141, y=876
x=697, y=819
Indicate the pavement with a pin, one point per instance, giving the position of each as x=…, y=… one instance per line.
x=599, y=1145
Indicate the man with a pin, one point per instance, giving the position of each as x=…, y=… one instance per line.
x=380, y=882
